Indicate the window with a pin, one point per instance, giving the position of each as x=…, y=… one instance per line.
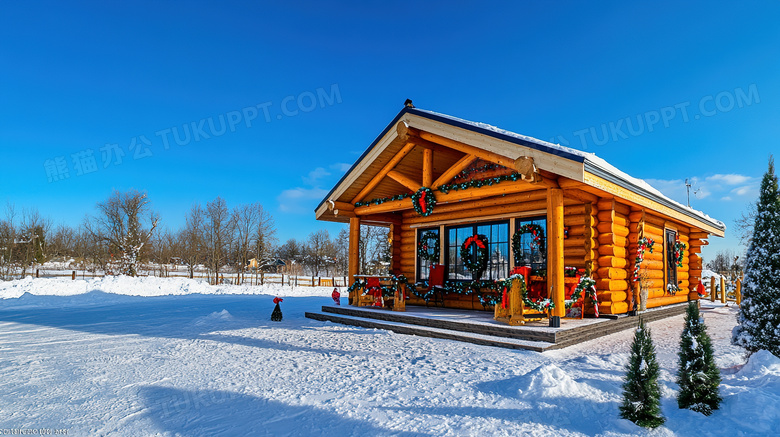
x=532, y=254
x=423, y=265
x=670, y=238
x=498, y=250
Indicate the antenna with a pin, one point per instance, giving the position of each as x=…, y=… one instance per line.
x=688, y=191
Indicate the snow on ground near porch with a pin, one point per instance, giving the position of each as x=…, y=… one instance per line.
x=142, y=357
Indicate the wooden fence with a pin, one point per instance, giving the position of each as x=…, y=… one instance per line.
x=224, y=278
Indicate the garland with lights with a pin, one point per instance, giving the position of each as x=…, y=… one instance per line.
x=535, y=230
x=679, y=250
x=479, y=264
x=644, y=243
x=482, y=169
x=428, y=247
x=446, y=188
x=587, y=285
x=423, y=201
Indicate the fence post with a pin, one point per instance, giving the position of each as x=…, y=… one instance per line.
x=312, y=280
x=262, y=278
x=712, y=289
x=73, y=276
x=722, y=289
x=739, y=291
x=345, y=282
x=37, y=273
x=296, y=280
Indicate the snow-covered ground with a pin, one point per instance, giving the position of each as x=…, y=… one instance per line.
x=151, y=356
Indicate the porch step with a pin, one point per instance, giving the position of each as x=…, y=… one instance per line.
x=428, y=331
x=482, y=330
x=542, y=335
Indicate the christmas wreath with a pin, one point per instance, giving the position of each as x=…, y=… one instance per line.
x=643, y=244
x=535, y=230
x=428, y=247
x=478, y=263
x=679, y=249
x=423, y=201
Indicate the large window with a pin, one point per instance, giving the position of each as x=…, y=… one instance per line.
x=424, y=265
x=498, y=250
x=670, y=238
x=532, y=253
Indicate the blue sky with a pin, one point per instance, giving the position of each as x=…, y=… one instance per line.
x=101, y=89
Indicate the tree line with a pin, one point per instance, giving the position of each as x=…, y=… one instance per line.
x=125, y=235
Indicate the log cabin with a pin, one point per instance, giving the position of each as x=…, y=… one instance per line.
x=474, y=203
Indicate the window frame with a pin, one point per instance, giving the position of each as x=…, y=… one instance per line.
x=670, y=271
x=518, y=221
x=474, y=226
x=421, y=265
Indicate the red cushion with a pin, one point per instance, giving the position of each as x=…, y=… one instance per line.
x=436, y=275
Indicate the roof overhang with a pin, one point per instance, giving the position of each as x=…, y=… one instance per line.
x=570, y=163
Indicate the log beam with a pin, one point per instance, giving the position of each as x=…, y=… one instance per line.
x=354, y=255
x=427, y=168
x=454, y=170
x=404, y=180
x=382, y=173
x=555, y=253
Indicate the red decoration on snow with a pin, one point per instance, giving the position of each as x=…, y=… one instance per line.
x=336, y=296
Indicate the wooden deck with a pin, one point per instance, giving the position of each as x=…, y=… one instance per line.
x=479, y=327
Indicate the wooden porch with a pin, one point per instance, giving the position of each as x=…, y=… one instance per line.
x=479, y=327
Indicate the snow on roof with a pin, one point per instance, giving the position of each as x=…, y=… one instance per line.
x=588, y=158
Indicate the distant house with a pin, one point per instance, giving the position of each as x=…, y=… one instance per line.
x=441, y=183
x=273, y=266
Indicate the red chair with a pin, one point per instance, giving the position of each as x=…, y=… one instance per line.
x=436, y=283
x=374, y=288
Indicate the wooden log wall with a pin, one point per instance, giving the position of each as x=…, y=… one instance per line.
x=696, y=241
x=612, y=284
x=654, y=264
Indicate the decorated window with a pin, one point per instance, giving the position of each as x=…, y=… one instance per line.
x=674, y=256
x=428, y=248
x=492, y=260
x=529, y=244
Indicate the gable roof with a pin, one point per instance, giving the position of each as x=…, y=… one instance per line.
x=572, y=163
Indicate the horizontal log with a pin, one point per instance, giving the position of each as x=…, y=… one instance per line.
x=612, y=296
x=636, y=216
x=699, y=235
x=579, y=220
x=485, y=203
x=574, y=252
x=648, y=264
x=576, y=230
x=655, y=255
x=606, y=216
x=613, y=239
x=693, y=295
x=608, y=249
x=573, y=210
x=695, y=250
x=611, y=261
x=613, y=308
x=611, y=285
x=612, y=273
x=668, y=300
x=574, y=242
x=651, y=274
x=479, y=212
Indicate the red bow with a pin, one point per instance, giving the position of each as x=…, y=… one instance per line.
x=277, y=300
x=474, y=239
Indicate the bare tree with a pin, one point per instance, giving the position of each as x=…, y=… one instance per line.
x=341, y=243
x=125, y=223
x=320, y=252
x=217, y=234
x=292, y=253
x=374, y=249
x=264, y=237
x=191, y=239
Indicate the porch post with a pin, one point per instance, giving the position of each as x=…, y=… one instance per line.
x=354, y=255
x=555, y=252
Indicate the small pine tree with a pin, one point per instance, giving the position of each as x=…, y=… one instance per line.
x=641, y=393
x=697, y=376
x=759, y=313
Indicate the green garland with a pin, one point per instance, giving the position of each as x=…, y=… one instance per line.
x=480, y=242
x=535, y=230
x=588, y=285
x=679, y=250
x=428, y=247
x=446, y=188
x=644, y=243
x=482, y=169
x=423, y=201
